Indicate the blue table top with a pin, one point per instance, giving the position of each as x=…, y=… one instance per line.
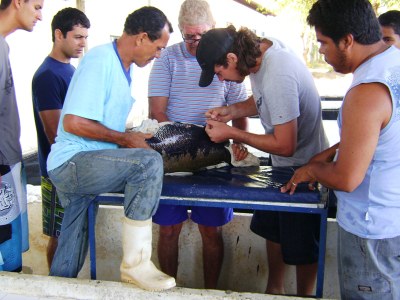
x=252, y=183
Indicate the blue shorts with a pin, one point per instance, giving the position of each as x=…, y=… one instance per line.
x=368, y=269
x=297, y=233
x=207, y=216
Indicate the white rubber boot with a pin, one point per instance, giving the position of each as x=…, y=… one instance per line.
x=136, y=266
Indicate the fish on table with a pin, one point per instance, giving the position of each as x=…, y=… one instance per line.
x=186, y=147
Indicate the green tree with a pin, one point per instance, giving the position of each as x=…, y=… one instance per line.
x=301, y=8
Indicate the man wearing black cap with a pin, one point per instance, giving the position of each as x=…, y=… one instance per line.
x=288, y=104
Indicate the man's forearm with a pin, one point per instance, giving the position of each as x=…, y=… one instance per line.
x=241, y=123
x=243, y=109
x=91, y=129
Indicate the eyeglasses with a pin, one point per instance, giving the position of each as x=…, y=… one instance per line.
x=190, y=38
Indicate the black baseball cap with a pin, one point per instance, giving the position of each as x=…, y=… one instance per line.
x=214, y=45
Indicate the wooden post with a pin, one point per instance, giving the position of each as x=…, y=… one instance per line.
x=80, y=4
x=256, y=7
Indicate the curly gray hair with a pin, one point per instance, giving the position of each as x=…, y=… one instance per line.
x=195, y=12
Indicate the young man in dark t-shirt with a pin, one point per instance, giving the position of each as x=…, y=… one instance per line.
x=49, y=88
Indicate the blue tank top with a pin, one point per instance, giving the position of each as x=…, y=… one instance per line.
x=373, y=209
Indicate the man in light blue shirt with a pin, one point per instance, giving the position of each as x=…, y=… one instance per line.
x=93, y=154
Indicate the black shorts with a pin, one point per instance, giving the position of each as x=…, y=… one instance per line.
x=297, y=233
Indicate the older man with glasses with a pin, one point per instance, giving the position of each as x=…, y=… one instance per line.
x=191, y=38
x=174, y=95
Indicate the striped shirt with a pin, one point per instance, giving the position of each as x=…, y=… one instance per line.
x=176, y=75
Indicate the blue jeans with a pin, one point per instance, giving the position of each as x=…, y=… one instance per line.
x=368, y=268
x=136, y=172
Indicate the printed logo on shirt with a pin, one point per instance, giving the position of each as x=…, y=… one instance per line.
x=9, y=208
x=258, y=103
x=9, y=84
